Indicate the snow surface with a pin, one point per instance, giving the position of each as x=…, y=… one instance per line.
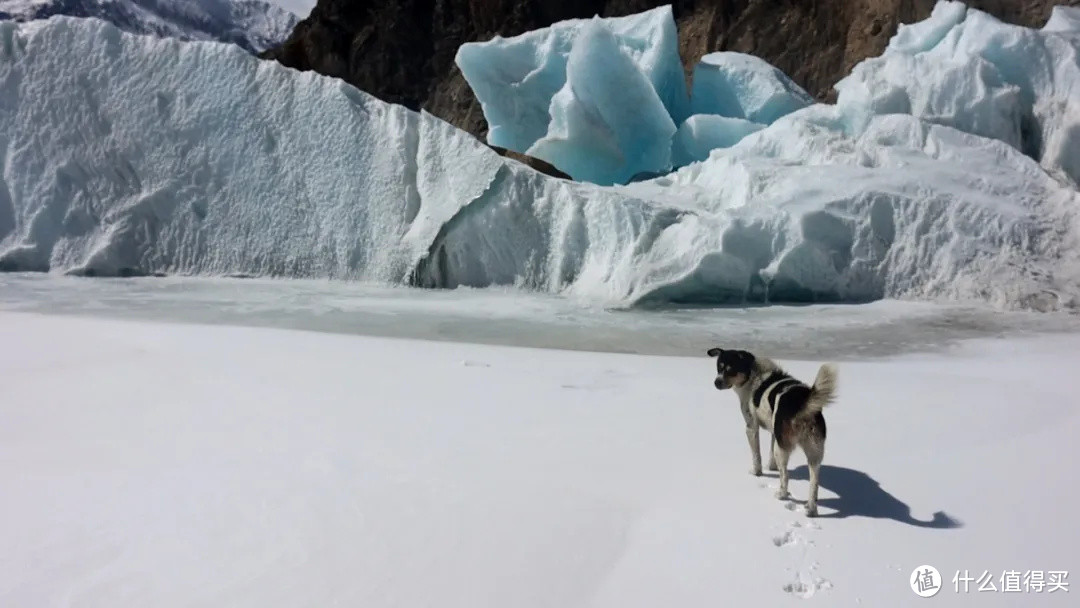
x=254, y=25
x=524, y=83
x=134, y=155
x=703, y=133
x=170, y=465
x=963, y=68
x=738, y=85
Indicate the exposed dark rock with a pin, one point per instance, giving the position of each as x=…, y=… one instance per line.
x=540, y=165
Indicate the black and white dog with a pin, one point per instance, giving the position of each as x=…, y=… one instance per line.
x=788, y=408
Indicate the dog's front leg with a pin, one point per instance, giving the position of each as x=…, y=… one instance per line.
x=755, y=448
x=772, y=453
x=752, y=438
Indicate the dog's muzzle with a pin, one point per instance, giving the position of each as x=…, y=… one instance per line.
x=720, y=383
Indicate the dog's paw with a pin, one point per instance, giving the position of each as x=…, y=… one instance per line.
x=783, y=494
x=755, y=471
x=811, y=510
x=773, y=467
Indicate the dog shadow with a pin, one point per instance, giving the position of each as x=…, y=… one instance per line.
x=859, y=495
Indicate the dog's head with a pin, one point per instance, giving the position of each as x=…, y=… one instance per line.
x=733, y=367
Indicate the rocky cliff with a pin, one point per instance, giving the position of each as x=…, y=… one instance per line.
x=402, y=51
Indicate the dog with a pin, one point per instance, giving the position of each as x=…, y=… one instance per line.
x=787, y=407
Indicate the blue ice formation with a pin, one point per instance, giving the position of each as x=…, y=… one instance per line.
x=703, y=133
x=607, y=122
x=605, y=118
x=737, y=85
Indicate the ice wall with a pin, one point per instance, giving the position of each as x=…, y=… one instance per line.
x=131, y=155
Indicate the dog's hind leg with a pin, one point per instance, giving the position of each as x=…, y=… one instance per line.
x=815, y=453
x=772, y=453
x=781, y=456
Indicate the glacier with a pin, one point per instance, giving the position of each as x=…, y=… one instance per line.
x=133, y=155
x=703, y=133
x=535, y=99
x=963, y=68
x=738, y=85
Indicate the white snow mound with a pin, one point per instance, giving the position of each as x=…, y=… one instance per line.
x=124, y=154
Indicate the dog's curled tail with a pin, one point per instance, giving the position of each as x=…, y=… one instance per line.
x=824, y=390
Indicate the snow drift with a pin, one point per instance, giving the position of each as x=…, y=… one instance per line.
x=133, y=155
x=254, y=25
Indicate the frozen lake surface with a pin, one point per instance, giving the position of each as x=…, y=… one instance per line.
x=514, y=317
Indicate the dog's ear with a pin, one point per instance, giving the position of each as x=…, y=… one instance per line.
x=714, y=352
